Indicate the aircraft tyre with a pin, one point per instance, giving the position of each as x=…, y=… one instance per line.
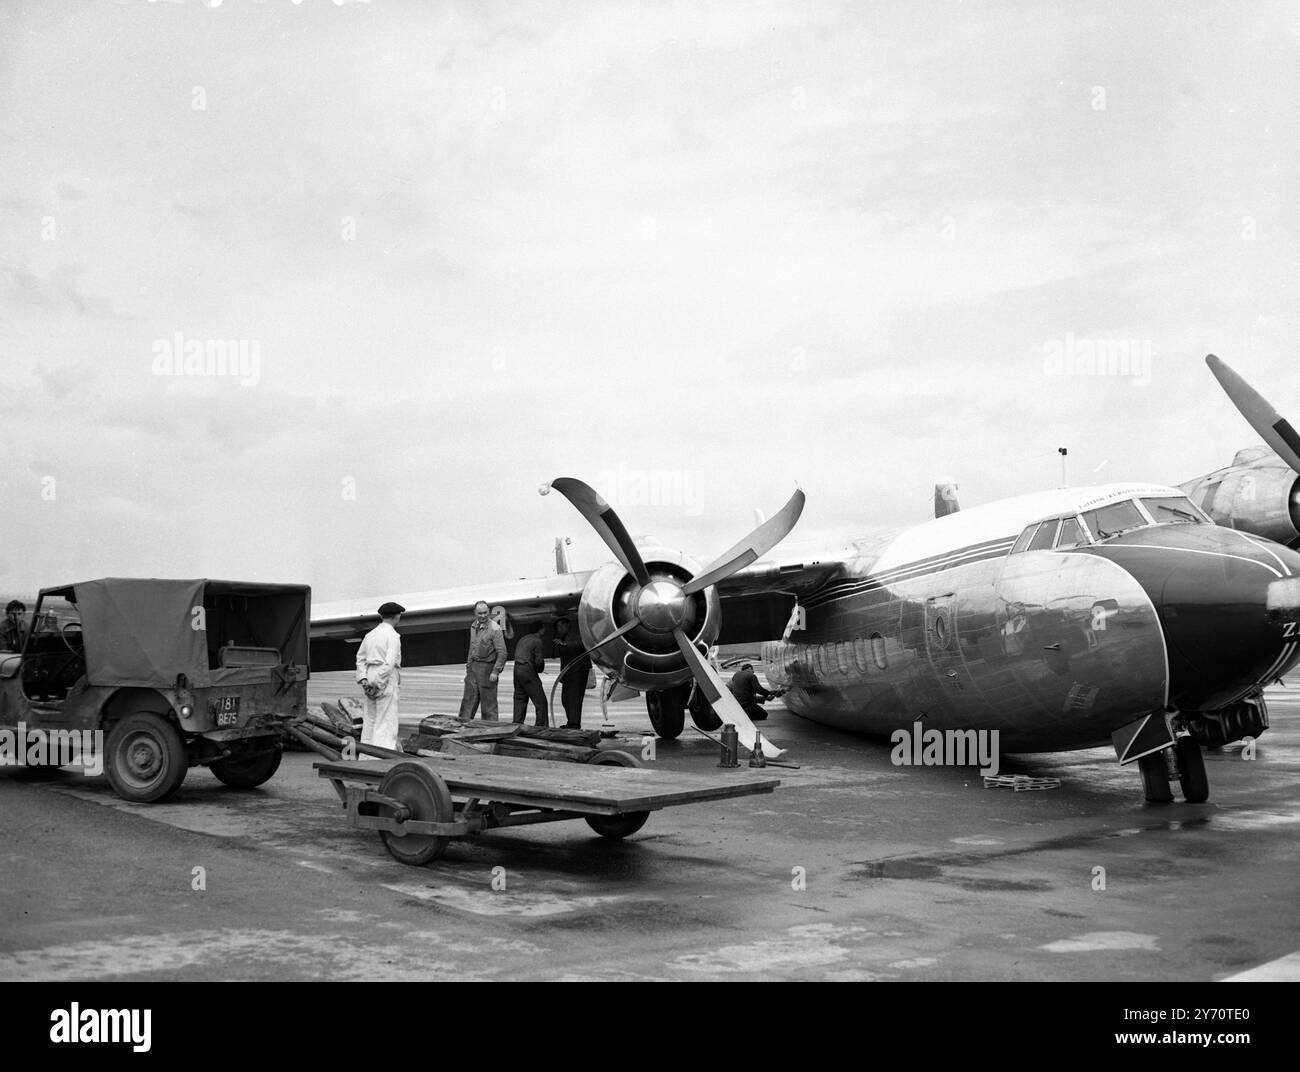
x=1155, y=779
x=667, y=710
x=1192, y=779
x=702, y=713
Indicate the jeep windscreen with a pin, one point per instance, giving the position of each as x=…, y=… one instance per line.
x=54, y=657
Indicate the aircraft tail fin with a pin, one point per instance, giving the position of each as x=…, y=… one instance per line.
x=945, y=498
x=562, y=554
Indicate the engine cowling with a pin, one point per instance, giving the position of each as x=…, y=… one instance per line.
x=647, y=658
x=1261, y=499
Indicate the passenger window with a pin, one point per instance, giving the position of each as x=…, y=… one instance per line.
x=1071, y=534
x=1043, y=537
x=1112, y=520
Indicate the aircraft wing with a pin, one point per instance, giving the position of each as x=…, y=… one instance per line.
x=435, y=627
x=756, y=605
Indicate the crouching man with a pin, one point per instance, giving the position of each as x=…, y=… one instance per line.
x=745, y=687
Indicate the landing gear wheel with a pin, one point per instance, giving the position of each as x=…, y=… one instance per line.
x=246, y=772
x=702, y=712
x=617, y=827
x=1155, y=779
x=1192, y=779
x=429, y=800
x=146, y=758
x=668, y=710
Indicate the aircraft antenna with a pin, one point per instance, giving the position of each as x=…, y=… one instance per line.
x=1062, y=452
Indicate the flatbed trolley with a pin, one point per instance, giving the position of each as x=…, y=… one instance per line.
x=418, y=804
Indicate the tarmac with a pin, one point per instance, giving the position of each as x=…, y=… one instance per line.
x=854, y=869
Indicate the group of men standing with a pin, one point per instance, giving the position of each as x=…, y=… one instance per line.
x=487, y=659
x=379, y=662
x=379, y=673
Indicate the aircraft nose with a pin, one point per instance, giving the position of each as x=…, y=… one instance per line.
x=1228, y=605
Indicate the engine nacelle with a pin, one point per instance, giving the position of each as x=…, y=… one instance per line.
x=646, y=657
x=1261, y=499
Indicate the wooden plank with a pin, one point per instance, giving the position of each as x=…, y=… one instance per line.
x=563, y=735
x=525, y=750
x=602, y=790
x=567, y=750
x=487, y=733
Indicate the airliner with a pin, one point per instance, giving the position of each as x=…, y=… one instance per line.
x=1119, y=614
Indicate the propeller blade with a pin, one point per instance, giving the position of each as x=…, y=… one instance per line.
x=601, y=517
x=719, y=696
x=752, y=547
x=1271, y=426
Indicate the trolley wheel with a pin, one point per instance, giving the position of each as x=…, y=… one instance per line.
x=429, y=800
x=617, y=826
x=1155, y=778
x=1192, y=779
x=615, y=757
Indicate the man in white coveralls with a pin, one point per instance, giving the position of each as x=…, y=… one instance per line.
x=379, y=673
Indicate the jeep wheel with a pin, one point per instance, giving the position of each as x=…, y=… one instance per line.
x=245, y=772
x=146, y=758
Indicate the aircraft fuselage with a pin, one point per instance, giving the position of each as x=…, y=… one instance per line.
x=1054, y=647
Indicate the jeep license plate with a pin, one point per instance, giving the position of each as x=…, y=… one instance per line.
x=226, y=710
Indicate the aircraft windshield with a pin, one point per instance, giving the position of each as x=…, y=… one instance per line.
x=1113, y=519
x=1172, y=510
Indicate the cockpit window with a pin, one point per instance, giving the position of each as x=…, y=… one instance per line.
x=1044, y=536
x=1071, y=534
x=1023, y=542
x=1113, y=519
x=1172, y=510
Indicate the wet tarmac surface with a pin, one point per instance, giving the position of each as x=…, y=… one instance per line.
x=854, y=869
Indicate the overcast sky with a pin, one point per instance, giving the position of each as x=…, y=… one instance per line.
x=473, y=247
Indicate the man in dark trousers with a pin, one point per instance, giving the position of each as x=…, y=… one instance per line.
x=575, y=667
x=749, y=693
x=530, y=660
x=487, y=658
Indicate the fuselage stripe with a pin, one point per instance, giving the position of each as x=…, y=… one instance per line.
x=912, y=571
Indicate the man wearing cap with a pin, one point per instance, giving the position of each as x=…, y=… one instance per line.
x=487, y=658
x=379, y=673
x=12, y=633
x=749, y=693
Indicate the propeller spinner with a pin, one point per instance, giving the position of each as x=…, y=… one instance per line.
x=661, y=605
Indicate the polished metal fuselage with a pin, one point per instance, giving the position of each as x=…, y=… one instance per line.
x=1055, y=650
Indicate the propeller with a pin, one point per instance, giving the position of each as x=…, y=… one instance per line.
x=1272, y=427
x=660, y=605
